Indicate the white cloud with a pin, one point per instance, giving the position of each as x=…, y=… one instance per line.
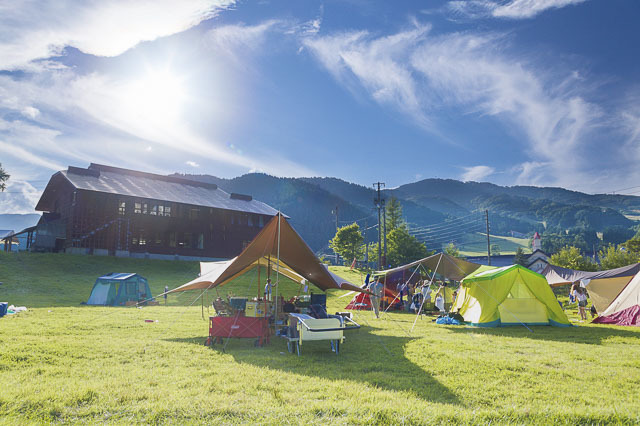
x=30, y=112
x=473, y=74
x=192, y=164
x=378, y=64
x=20, y=197
x=513, y=9
x=32, y=30
x=477, y=173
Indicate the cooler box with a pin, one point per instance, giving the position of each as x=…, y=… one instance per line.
x=3, y=308
x=254, y=309
x=238, y=303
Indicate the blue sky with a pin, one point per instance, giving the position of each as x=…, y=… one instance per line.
x=543, y=92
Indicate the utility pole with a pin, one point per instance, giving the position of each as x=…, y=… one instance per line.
x=336, y=213
x=384, y=230
x=486, y=216
x=378, y=203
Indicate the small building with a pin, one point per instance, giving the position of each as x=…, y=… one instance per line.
x=537, y=261
x=108, y=210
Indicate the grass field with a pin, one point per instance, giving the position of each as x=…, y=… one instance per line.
x=476, y=244
x=63, y=362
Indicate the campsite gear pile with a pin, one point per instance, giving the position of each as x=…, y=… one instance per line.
x=121, y=289
x=280, y=250
x=6, y=309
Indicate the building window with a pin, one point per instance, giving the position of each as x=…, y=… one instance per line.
x=249, y=220
x=186, y=241
x=145, y=208
x=260, y=221
x=137, y=208
x=167, y=211
x=158, y=239
x=194, y=212
x=122, y=207
x=142, y=240
x=172, y=239
x=233, y=219
x=154, y=210
x=160, y=210
x=200, y=241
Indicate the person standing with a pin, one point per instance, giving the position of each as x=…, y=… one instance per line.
x=581, y=297
x=166, y=290
x=267, y=289
x=376, y=293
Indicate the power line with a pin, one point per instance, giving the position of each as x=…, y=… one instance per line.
x=459, y=225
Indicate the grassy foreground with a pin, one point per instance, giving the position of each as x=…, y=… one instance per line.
x=64, y=362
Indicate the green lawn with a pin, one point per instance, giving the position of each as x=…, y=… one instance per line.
x=61, y=361
x=476, y=244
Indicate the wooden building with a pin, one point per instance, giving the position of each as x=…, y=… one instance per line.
x=112, y=211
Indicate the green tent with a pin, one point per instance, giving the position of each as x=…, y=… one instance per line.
x=511, y=295
x=116, y=289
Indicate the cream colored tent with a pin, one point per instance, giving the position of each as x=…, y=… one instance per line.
x=279, y=246
x=603, y=286
x=625, y=309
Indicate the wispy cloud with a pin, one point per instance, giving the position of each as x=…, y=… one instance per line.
x=474, y=74
x=192, y=164
x=378, y=64
x=477, y=173
x=33, y=30
x=513, y=9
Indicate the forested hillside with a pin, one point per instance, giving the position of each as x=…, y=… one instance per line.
x=429, y=203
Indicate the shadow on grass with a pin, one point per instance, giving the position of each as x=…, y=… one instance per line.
x=365, y=357
x=593, y=335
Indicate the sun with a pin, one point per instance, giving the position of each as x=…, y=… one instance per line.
x=156, y=97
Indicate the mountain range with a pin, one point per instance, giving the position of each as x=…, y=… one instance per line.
x=438, y=211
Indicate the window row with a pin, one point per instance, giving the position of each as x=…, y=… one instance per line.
x=194, y=240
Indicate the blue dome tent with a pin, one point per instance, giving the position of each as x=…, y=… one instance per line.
x=116, y=289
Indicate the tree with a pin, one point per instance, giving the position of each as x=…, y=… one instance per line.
x=348, y=241
x=570, y=257
x=4, y=177
x=520, y=258
x=495, y=249
x=633, y=246
x=394, y=215
x=452, y=250
x=403, y=247
x=612, y=257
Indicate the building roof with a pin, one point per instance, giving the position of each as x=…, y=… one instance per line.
x=114, y=180
x=5, y=233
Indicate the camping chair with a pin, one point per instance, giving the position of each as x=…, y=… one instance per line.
x=222, y=308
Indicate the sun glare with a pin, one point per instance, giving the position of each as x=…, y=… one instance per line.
x=158, y=97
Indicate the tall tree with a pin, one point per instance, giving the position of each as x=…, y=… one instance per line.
x=570, y=257
x=4, y=177
x=394, y=215
x=403, y=247
x=452, y=250
x=520, y=258
x=348, y=242
x=612, y=257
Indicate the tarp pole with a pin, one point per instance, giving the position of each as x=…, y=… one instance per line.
x=422, y=304
x=277, y=269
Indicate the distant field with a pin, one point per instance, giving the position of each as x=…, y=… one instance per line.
x=62, y=362
x=476, y=244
